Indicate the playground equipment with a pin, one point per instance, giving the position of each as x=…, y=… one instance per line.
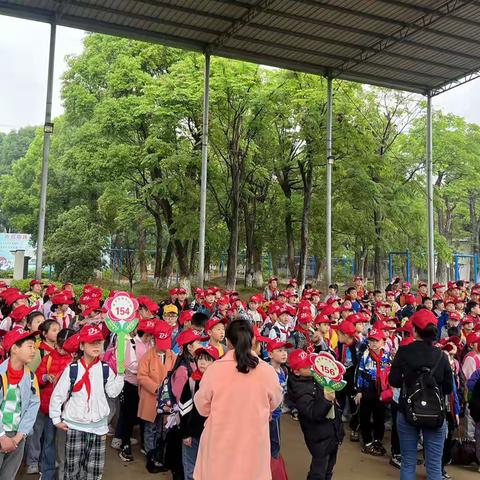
x=459, y=265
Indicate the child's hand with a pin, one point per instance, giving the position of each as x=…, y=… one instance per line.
x=330, y=396
x=187, y=441
x=7, y=444
x=357, y=398
x=50, y=378
x=62, y=426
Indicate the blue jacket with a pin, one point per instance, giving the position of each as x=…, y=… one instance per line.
x=442, y=321
x=474, y=378
x=30, y=398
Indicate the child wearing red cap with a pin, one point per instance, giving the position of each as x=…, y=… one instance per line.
x=48, y=372
x=271, y=291
x=280, y=330
x=300, y=336
x=347, y=353
x=19, y=400
x=152, y=371
x=85, y=411
x=61, y=310
x=44, y=347
x=319, y=414
x=136, y=346
x=372, y=387
x=191, y=422
x=321, y=336
x=278, y=354
x=215, y=329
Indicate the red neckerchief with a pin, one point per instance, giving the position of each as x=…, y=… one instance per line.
x=14, y=376
x=377, y=358
x=45, y=346
x=300, y=329
x=344, y=353
x=210, y=306
x=197, y=375
x=85, y=380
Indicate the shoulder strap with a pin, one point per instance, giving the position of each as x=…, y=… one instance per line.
x=437, y=363
x=73, y=374
x=4, y=383
x=34, y=383
x=106, y=372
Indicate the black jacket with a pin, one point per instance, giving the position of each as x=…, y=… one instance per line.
x=313, y=408
x=410, y=359
x=191, y=422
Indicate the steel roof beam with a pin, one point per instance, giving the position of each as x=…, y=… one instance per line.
x=420, y=8
x=252, y=12
x=446, y=9
x=445, y=87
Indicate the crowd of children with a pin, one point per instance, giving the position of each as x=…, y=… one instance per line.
x=61, y=393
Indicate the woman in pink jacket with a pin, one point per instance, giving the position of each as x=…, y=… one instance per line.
x=237, y=394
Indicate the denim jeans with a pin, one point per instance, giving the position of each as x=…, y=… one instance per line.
x=275, y=437
x=47, y=459
x=189, y=458
x=433, y=441
x=152, y=432
x=33, y=447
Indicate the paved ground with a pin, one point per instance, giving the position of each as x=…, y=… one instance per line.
x=351, y=463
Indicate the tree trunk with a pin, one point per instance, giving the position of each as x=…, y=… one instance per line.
x=257, y=262
x=378, y=253
x=167, y=267
x=142, y=261
x=249, y=247
x=193, y=255
x=234, y=234
x=158, y=247
x=290, y=243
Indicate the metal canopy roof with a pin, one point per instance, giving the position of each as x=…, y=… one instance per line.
x=417, y=45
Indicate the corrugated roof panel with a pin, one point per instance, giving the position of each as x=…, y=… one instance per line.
x=307, y=35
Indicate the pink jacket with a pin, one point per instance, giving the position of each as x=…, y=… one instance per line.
x=236, y=441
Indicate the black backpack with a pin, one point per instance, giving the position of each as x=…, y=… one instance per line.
x=424, y=403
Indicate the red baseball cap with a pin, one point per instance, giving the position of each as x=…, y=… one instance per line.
x=210, y=349
x=210, y=291
x=381, y=325
x=3, y=284
x=305, y=317
x=19, y=313
x=272, y=279
x=356, y=318
x=255, y=299
x=437, y=285
x=332, y=300
x=93, y=306
x=96, y=292
x=454, y=316
x=422, y=284
x=147, y=325
x=173, y=291
x=190, y=335
x=293, y=281
x=408, y=327
x=212, y=322
x=422, y=318
x=223, y=301
x=410, y=299
x=163, y=335
x=181, y=291
x=185, y=316
x=468, y=319
x=15, y=335
x=299, y=359
x=391, y=293
x=406, y=285
x=258, y=337
x=197, y=290
x=329, y=310
x=148, y=303
x=375, y=334
x=452, y=285
x=357, y=277
x=320, y=318
x=35, y=282
x=275, y=345
x=12, y=297
x=406, y=341
x=61, y=299
x=381, y=304
x=347, y=328
x=90, y=334
x=472, y=338
x=72, y=343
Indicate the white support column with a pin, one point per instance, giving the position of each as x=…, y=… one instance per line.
x=429, y=172
x=203, y=184
x=47, y=131
x=328, y=226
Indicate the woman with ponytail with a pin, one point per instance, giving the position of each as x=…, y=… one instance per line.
x=237, y=394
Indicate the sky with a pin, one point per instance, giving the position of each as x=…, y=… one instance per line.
x=23, y=77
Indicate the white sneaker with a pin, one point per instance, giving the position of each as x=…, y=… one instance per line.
x=133, y=441
x=116, y=443
x=32, y=469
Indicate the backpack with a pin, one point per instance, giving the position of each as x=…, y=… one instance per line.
x=33, y=382
x=424, y=405
x=166, y=401
x=73, y=374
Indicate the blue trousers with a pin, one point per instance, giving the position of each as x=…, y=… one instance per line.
x=48, y=456
x=275, y=437
x=433, y=441
x=189, y=458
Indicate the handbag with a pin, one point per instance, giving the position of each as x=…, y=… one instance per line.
x=463, y=451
